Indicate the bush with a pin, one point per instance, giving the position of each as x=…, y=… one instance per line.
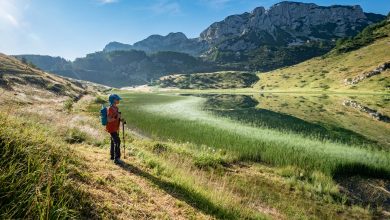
x=316, y=182
x=56, y=88
x=159, y=148
x=208, y=161
x=100, y=100
x=68, y=105
x=74, y=135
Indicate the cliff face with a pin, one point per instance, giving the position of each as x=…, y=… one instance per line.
x=285, y=34
x=286, y=23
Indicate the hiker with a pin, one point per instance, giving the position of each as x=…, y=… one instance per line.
x=112, y=127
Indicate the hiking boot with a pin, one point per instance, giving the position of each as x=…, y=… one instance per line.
x=118, y=161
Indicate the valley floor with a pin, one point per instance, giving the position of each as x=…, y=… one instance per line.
x=169, y=180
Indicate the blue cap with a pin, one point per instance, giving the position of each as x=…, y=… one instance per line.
x=113, y=97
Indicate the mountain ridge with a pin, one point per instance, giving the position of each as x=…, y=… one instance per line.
x=262, y=40
x=174, y=41
x=124, y=68
x=263, y=19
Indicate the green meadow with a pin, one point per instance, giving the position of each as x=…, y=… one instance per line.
x=184, y=119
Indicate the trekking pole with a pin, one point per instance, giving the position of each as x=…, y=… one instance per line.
x=123, y=136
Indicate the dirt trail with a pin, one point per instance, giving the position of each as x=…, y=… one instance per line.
x=125, y=191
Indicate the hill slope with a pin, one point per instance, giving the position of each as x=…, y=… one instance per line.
x=49, y=156
x=53, y=154
x=364, y=68
x=214, y=80
x=21, y=77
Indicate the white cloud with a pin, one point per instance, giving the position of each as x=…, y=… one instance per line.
x=11, y=19
x=103, y=2
x=10, y=14
x=166, y=7
x=16, y=31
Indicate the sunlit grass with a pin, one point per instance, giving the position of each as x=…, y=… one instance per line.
x=180, y=119
x=35, y=171
x=327, y=74
x=224, y=187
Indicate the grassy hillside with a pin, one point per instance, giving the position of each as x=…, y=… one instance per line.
x=36, y=165
x=351, y=60
x=215, y=80
x=52, y=161
x=36, y=170
x=24, y=78
x=54, y=152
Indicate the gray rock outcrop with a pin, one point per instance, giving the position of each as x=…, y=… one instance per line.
x=376, y=71
x=371, y=112
x=286, y=23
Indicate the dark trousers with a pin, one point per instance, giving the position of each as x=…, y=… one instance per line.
x=115, y=146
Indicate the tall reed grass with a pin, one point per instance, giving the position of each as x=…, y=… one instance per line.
x=35, y=173
x=181, y=119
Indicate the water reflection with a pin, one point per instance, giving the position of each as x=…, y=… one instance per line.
x=359, y=120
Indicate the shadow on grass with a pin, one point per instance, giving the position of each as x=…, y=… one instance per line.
x=191, y=197
x=359, y=169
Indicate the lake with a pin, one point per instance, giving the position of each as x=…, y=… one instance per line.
x=336, y=134
x=348, y=119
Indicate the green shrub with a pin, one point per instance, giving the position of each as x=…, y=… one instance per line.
x=324, y=86
x=159, y=148
x=56, y=88
x=100, y=100
x=206, y=160
x=315, y=182
x=68, y=105
x=74, y=135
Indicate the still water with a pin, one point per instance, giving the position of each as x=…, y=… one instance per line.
x=363, y=120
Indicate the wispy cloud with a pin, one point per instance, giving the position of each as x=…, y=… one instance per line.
x=10, y=14
x=104, y=2
x=13, y=24
x=166, y=7
x=215, y=4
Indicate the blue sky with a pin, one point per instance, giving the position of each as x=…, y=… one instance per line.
x=73, y=28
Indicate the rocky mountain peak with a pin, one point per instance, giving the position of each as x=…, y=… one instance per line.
x=174, y=41
x=177, y=35
x=258, y=11
x=299, y=21
x=283, y=26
